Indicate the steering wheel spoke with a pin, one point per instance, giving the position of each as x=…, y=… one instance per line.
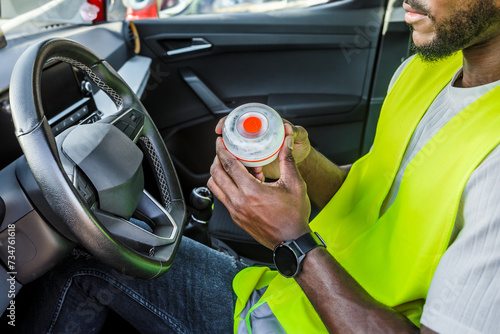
x=129, y=121
x=151, y=228
x=85, y=188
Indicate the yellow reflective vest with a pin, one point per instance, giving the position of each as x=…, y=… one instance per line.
x=393, y=256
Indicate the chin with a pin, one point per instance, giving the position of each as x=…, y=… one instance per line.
x=422, y=40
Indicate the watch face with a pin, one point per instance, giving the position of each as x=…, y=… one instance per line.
x=286, y=261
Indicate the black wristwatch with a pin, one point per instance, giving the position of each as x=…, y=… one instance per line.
x=288, y=255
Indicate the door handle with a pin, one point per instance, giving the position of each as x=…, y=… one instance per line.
x=197, y=43
x=206, y=95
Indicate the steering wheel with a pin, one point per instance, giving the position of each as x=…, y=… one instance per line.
x=91, y=175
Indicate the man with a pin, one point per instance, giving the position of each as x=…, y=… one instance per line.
x=377, y=207
x=426, y=194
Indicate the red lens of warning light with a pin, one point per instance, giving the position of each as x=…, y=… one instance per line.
x=252, y=124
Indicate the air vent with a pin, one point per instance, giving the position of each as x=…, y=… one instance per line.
x=5, y=103
x=5, y=106
x=132, y=37
x=55, y=26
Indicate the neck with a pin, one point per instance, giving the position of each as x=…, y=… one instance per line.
x=481, y=63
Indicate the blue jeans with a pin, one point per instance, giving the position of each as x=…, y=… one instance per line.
x=194, y=296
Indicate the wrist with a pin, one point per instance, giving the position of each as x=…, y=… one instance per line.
x=314, y=259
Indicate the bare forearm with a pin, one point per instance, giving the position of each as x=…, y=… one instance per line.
x=323, y=178
x=343, y=305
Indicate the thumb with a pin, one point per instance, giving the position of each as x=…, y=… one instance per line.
x=288, y=168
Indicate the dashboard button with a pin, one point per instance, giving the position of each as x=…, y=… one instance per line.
x=129, y=130
x=121, y=126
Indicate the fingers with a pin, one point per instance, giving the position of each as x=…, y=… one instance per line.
x=288, y=168
x=220, y=124
x=220, y=183
x=217, y=191
x=258, y=176
x=299, y=133
x=258, y=173
x=288, y=129
x=235, y=174
x=230, y=180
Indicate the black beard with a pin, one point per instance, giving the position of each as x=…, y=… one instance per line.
x=459, y=31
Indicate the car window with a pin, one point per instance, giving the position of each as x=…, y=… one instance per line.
x=140, y=9
x=234, y=6
x=29, y=17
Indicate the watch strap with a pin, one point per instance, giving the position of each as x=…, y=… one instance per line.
x=309, y=241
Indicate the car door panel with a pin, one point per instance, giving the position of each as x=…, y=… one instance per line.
x=314, y=66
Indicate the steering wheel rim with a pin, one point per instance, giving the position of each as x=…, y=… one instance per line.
x=40, y=149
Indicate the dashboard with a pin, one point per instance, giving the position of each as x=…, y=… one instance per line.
x=68, y=97
x=75, y=105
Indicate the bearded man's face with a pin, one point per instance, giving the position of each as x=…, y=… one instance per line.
x=443, y=27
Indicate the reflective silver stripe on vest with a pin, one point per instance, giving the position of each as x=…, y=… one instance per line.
x=262, y=319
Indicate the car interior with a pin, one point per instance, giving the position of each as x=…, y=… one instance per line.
x=108, y=135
